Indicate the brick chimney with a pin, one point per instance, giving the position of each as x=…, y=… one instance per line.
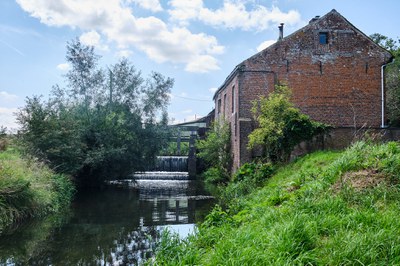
x=280, y=31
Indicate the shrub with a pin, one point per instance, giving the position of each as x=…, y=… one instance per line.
x=281, y=126
x=257, y=172
x=215, y=151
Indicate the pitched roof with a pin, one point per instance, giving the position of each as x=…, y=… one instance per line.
x=280, y=42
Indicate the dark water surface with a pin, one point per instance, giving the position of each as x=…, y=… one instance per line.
x=118, y=225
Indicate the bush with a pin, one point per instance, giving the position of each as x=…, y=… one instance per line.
x=214, y=175
x=281, y=126
x=257, y=172
x=3, y=138
x=215, y=151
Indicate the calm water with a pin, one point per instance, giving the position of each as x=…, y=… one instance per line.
x=118, y=225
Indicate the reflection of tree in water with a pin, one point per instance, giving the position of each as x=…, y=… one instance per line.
x=130, y=249
x=110, y=227
x=127, y=248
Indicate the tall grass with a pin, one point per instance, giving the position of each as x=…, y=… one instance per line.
x=29, y=189
x=311, y=212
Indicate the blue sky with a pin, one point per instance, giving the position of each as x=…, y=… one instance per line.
x=196, y=42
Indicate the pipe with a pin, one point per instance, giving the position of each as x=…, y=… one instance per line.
x=383, y=92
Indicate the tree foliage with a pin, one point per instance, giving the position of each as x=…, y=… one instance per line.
x=281, y=126
x=103, y=125
x=392, y=75
x=215, y=151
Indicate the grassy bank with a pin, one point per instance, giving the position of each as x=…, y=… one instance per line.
x=328, y=208
x=29, y=189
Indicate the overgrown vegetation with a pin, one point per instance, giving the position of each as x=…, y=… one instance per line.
x=392, y=76
x=171, y=149
x=104, y=125
x=322, y=209
x=215, y=151
x=29, y=189
x=281, y=126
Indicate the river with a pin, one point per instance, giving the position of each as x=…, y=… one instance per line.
x=118, y=225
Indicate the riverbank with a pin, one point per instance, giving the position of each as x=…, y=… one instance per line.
x=327, y=208
x=28, y=188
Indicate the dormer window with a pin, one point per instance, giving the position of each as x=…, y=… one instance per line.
x=323, y=38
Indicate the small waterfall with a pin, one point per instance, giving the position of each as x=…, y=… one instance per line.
x=172, y=164
x=167, y=168
x=161, y=175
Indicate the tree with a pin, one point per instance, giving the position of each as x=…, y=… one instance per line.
x=388, y=43
x=281, y=126
x=215, y=151
x=392, y=76
x=105, y=124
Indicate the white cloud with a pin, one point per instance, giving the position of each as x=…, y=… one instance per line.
x=153, y=5
x=7, y=97
x=124, y=53
x=265, y=44
x=202, y=64
x=7, y=118
x=232, y=15
x=63, y=67
x=213, y=90
x=92, y=38
x=114, y=20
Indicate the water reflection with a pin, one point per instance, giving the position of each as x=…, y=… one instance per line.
x=115, y=226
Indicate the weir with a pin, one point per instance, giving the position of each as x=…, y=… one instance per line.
x=172, y=163
x=161, y=175
x=166, y=168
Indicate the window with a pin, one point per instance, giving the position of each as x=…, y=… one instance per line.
x=233, y=99
x=219, y=106
x=224, y=103
x=323, y=38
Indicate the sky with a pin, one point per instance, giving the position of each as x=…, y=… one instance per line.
x=195, y=42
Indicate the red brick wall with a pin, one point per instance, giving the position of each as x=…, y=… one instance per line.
x=337, y=83
x=229, y=114
x=338, y=86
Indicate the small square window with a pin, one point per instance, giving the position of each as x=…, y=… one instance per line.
x=323, y=37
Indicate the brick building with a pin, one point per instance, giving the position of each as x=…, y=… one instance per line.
x=333, y=69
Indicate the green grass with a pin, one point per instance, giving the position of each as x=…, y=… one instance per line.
x=29, y=189
x=311, y=212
